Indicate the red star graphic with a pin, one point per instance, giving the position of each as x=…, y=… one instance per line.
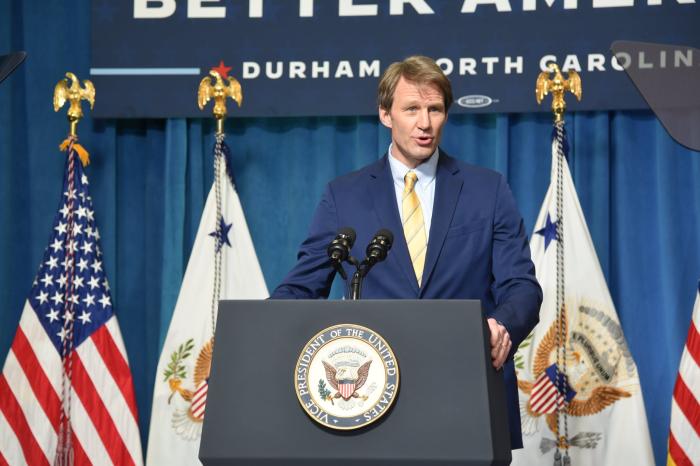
x=222, y=69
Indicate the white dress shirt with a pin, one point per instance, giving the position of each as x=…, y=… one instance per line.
x=425, y=186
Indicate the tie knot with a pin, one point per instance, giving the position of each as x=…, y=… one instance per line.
x=409, y=181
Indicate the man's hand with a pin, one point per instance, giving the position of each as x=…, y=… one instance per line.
x=500, y=343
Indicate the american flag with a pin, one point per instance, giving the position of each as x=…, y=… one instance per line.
x=684, y=438
x=70, y=296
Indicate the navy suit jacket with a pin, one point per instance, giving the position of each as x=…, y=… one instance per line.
x=477, y=249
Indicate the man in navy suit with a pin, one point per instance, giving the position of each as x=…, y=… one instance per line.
x=457, y=231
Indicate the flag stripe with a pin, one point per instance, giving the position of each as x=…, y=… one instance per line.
x=84, y=429
x=539, y=389
x=693, y=343
x=2, y=459
x=78, y=453
x=116, y=334
x=10, y=448
x=546, y=402
x=550, y=407
x=44, y=351
x=117, y=366
x=37, y=420
x=542, y=388
x=111, y=396
x=676, y=452
x=200, y=393
x=199, y=400
x=46, y=396
x=542, y=396
x=18, y=423
x=98, y=413
x=687, y=403
x=684, y=433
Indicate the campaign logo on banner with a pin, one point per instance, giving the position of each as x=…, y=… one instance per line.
x=306, y=57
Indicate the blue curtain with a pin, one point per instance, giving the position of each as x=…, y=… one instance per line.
x=639, y=191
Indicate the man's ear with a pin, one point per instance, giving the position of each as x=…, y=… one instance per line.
x=385, y=117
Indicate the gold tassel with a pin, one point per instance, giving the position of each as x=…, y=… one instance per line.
x=82, y=153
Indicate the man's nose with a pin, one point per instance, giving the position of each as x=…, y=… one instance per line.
x=424, y=119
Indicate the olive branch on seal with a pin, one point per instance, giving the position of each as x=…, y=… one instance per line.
x=324, y=392
x=175, y=367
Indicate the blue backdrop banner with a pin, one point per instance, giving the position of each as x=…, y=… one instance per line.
x=306, y=58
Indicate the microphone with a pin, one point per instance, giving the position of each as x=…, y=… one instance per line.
x=339, y=249
x=379, y=247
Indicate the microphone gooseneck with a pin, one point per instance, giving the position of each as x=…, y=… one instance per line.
x=377, y=251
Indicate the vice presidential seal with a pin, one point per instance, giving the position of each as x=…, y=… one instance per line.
x=346, y=377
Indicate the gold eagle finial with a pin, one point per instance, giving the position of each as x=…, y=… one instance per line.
x=557, y=86
x=219, y=91
x=73, y=94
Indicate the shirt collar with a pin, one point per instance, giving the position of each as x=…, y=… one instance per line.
x=426, y=171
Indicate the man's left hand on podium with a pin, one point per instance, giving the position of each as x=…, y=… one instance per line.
x=500, y=343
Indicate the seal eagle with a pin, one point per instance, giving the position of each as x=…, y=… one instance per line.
x=332, y=377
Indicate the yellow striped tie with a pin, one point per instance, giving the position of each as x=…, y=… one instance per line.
x=413, y=225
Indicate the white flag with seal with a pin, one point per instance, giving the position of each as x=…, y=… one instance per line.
x=580, y=398
x=222, y=265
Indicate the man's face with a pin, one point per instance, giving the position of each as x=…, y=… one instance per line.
x=416, y=118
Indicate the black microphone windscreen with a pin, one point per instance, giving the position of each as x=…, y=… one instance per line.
x=349, y=233
x=387, y=234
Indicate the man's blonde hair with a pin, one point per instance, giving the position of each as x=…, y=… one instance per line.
x=417, y=69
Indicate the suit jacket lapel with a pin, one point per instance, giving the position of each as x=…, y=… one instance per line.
x=387, y=211
x=446, y=195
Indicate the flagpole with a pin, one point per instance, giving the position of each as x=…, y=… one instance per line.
x=552, y=82
x=74, y=94
x=219, y=90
